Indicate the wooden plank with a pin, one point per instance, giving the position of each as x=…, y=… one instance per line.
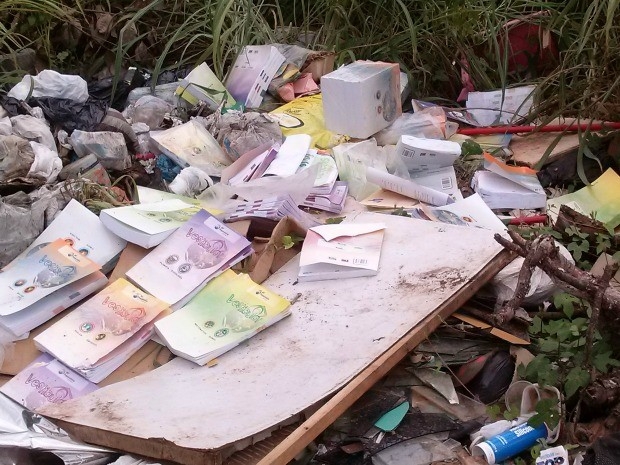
x=195, y=415
x=528, y=150
x=288, y=449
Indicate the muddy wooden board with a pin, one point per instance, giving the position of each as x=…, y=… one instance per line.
x=338, y=329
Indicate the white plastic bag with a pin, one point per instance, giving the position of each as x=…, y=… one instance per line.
x=149, y=110
x=109, y=147
x=190, y=182
x=429, y=123
x=50, y=83
x=34, y=129
x=504, y=284
x=353, y=158
x=47, y=164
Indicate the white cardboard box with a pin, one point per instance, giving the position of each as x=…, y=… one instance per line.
x=362, y=98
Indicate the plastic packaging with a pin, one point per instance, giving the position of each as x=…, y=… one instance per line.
x=6, y=128
x=238, y=133
x=49, y=83
x=509, y=443
x=190, y=182
x=429, y=123
x=148, y=109
x=354, y=158
x=71, y=115
x=47, y=164
x=305, y=116
x=35, y=129
x=16, y=157
x=109, y=147
x=162, y=91
x=503, y=286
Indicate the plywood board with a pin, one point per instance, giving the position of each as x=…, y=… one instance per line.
x=528, y=150
x=338, y=329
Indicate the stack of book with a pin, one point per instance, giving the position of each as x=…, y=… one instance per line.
x=504, y=187
x=46, y=381
x=47, y=280
x=272, y=208
x=148, y=224
x=345, y=250
x=101, y=334
x=183, y=263
x=229, y=310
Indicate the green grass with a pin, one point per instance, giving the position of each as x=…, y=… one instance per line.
x=430, y=39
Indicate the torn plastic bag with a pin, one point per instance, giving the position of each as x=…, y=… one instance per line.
x=16, y=157
x=353, y=158
x=21, y=221
x=165, y=92
x=102, y=89
x=115, y=121
x=494, y=378
x=131, y=460
x=238, y=133
x=298, y=186
x=35, y=129
x=23, y=429
x=71, y=115
x=503, y=286
x=109, y=147
x=6, y=128
x=190, y=182
x=47, y=164
x=148, y=109
x=49, y=83
x=429, y=123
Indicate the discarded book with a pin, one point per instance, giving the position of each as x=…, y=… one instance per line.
x=226, y=312
x=198, y=251
x=44, y=381
x=147, y=225
x=102, y=333
x=84, y=231
x=345, y=250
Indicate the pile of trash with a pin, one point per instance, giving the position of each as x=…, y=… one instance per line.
x=249, y=173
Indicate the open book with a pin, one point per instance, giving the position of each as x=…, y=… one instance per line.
x=229, y=310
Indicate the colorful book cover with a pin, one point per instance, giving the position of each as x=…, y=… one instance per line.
x=196, y=251
x=42, y=272
x=46, y=381
x=100, y=325
x=82, y=229
x=230, y=309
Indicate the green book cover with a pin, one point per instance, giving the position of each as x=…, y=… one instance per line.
x=229, y=310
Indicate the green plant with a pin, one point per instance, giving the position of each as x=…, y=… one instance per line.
x=288, y=242
x=561, y=344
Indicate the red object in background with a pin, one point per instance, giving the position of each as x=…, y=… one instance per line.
x=529, y=45
x=548, y=128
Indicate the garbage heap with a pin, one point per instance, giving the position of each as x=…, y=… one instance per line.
x=99, y=180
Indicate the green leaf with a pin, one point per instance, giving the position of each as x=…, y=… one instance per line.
x=603, y=361
x=547, y=412
x=336, y=220
x=511, y=413
x=577, y=378
x=536, y=325
x=289, y=241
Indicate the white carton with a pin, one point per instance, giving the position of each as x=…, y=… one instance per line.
x=362, y=98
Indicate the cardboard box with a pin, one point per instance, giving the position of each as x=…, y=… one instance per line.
x=362, y=98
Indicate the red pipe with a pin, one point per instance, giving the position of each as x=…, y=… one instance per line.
x=548, y=128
